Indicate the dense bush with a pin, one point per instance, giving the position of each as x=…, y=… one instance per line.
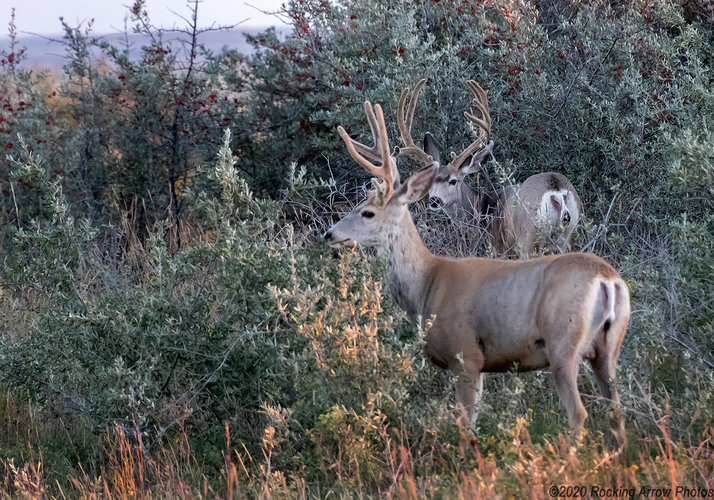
x=149, y=295
x=244, y=318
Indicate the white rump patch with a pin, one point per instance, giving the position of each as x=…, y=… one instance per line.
x=554, y=205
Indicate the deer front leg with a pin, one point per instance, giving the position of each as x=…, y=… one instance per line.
x=565, y=376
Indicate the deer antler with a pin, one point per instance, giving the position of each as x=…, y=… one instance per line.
x=405, y=126
x=373, y=153
x=379, y=152
x=484, y=124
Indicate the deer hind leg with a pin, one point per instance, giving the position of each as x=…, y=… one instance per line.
x=469, y=386
x=603, y=368
x=565, y=376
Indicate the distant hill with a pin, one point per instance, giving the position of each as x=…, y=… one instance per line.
x=49, y=52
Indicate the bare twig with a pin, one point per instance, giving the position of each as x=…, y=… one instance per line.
x=602, y=229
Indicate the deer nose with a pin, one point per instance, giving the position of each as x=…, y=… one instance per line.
x=566, y=218
x=328, y=235
x=435, y=203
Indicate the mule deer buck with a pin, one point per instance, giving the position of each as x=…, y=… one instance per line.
x=539, y=214
x=489, y=315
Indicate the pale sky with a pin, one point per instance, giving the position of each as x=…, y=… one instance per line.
x=42, y=16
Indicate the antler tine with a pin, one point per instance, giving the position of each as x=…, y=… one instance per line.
x=480, y=99
x=373, y=153
x=379, y=152
x=412, y=102
x=405, y=125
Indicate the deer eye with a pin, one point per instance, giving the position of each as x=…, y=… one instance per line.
x=453, y=182
x=367, y=214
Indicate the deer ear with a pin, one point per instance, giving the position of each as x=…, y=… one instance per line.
x=476, y=162
x=417, y=186
x=431, y=147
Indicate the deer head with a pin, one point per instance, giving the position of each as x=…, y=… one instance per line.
x=448, y=189
x=377, y=219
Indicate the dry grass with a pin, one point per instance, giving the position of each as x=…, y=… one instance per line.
x=512, y=466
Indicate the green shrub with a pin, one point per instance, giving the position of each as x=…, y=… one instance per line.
x=209, y=334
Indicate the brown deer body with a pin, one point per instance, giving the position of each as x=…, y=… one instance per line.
x=538, y=215
x=491, y=315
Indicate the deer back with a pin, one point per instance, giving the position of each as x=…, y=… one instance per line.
x=539, y=214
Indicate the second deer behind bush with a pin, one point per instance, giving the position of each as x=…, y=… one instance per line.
x=538, y=215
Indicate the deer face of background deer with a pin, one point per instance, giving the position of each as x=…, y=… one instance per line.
x=447, y=191
x=376, y=220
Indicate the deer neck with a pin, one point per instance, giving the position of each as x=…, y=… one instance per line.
x=409, y=265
